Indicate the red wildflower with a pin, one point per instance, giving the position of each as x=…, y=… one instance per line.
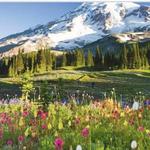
x=39, y=112
x=59, y=144
x=25, y=113
x=85, y=132
x=141, y=128
x=20, y=138
x=44, y=126
x=43, y=115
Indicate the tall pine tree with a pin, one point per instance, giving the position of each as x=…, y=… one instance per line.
x=90, y=61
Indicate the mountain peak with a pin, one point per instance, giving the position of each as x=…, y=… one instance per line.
x=87, y=23
x=95, y=5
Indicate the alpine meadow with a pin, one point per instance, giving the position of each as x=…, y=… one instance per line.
x=78, y=82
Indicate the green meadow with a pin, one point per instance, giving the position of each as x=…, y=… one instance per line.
x=125, y=82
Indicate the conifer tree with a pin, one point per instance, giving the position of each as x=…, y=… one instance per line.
x=32, y=62
x=48, y=60
x=90, y=61
x=20, y=64
x=11, y=71
x=83, y=57
x=98, y=57
x=124, y=60
x=148, y=56
x=54, y=62
x=41, y=61
x=64, y=60
x=14, y=65
x=135, y=58
x=107, y=59
x=78, y=58
x=138, y=57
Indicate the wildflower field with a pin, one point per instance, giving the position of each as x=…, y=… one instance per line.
x=61, y=114
x=95, y=126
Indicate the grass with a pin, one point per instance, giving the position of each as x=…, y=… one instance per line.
x=126, y=82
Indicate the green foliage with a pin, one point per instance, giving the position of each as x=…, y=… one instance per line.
x=79, y=58
x=33, y=62
x=61, y=91
x=19, y=63
x=129, y=56
x=11, y=71
x=64, y=60
x=124, y=60
x=98, y=59
x=27, y=85
x=90, y=61
x=96, y=126
x=45, y=96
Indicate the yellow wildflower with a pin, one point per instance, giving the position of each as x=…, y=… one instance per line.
x=125, y=123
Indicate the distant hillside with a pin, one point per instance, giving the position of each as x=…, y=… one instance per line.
x=115, y=42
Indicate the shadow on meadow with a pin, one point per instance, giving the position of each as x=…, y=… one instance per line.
x=8, y=89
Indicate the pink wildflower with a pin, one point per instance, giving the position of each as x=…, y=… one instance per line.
x=25, y=113
x=44, y=126
x=85, y=132
x=10, y=142
x=20, y=138
x=59, y=144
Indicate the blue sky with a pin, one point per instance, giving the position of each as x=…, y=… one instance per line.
x=16, y=17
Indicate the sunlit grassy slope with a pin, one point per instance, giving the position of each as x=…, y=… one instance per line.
x=126, y=82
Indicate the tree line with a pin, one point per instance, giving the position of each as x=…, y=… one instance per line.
x=130, y=56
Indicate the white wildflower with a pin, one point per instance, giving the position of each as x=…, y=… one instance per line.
x=78, y=147
x=133, y=144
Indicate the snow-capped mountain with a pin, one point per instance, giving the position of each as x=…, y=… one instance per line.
x=86, y=24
